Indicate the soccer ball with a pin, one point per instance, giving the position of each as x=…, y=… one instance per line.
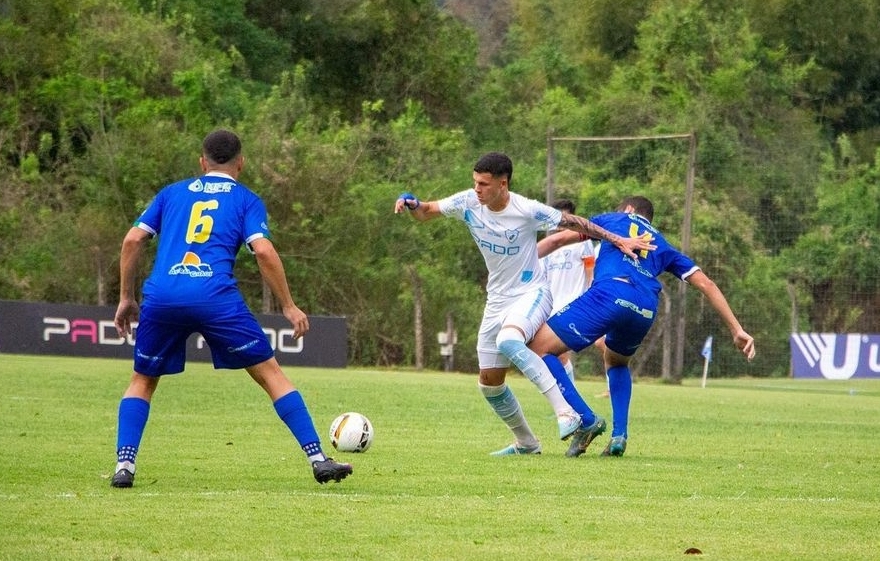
x=351, y=432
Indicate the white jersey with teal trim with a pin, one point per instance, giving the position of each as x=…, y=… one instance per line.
x=507, y=239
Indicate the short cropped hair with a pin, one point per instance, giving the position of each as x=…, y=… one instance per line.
x=221, y=146
x=497, y=164
x=642, y=205
x=565, y=205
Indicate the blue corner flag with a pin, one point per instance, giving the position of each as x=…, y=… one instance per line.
x=707, y=349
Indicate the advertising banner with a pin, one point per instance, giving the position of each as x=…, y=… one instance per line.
x=835, y=356
x=71, y=330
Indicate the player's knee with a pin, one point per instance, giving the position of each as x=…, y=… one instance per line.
x=492, y=377
x=509, y=334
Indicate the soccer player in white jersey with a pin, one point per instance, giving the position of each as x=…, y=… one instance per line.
x=504, y=225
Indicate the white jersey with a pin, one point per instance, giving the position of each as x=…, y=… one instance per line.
x=566, y=271
x=507, y=239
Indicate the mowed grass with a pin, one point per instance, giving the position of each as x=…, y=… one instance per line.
x=742, y=470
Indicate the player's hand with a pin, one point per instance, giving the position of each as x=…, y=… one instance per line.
x=639, y=243
x=298, y=319
x=406, y=201
x=745, y=343
x=126, y=312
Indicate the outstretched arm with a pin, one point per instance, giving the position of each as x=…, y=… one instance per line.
x=592, y=230
x=420, y=210
x=742, y=340
x=272, y=271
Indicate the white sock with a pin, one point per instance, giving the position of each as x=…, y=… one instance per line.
x=507, y=407
x=569, y=369
x=560, y=406
x=530, y=364
x=512, y=345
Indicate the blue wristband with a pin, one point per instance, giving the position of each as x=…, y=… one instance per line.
x=410, y=201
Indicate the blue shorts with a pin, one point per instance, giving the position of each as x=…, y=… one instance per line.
x=612, y=308
x=230, y=329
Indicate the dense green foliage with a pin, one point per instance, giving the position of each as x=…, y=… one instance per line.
x=343, y=104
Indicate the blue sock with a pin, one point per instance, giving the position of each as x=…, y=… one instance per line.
x=133, y=415
x=292, y=410
x=569, y=392
x=620, y=388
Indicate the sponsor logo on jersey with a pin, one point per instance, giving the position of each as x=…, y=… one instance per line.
x=192, y=266
x=495, y=248
x=198, y=186
x=560, y=260
x=475, y=224
x=225, y=187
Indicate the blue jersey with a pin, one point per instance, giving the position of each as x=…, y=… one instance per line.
x=621, y=304
x=614, y=264
x=201, y=223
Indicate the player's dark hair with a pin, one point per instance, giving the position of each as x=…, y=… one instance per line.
x=497, y=164
x=642, y=205
x=565, y=205
x=221, y=146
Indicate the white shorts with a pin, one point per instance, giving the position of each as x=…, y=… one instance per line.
x=528, y=312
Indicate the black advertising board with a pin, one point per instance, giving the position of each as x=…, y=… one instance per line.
x=37, y=328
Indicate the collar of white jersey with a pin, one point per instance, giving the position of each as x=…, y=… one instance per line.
x=219, y=174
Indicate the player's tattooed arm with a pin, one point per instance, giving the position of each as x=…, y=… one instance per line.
x=592, y=230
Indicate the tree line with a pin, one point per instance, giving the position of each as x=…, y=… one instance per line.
x=342, y=105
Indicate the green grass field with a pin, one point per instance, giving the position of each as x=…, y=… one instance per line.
x=742, y=470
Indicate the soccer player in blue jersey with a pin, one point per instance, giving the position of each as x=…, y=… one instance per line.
x=201, y=224
x=621, y=304
x=504, y=225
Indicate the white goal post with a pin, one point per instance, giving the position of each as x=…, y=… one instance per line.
x=673, y=366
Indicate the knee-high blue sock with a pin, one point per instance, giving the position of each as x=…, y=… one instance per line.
x=132, y=420
x=620, y=388
x=292, y=410
x=569, y=392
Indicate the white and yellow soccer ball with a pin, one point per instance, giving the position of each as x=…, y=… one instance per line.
x=351, y=432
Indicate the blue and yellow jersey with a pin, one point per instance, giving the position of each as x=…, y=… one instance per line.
x=614, y=264
x=201, y=224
